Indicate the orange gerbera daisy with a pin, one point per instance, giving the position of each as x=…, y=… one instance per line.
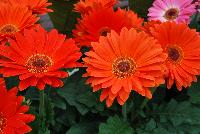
x=101, y=21
x=14, y=19
x=182, y=45
x=36, y=6
x=118, y=64
x=13, y=119
x=85, y=6
x=37, y=57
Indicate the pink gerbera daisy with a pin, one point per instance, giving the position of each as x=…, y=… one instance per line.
x=172, y=10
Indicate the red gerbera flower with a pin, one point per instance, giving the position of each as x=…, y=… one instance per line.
x=36, y=6
x=13, y=119
x=37, y=57
x=182, y=45
x=85, y=6
x=101, y=21
x=118, y=64
x=14, y=19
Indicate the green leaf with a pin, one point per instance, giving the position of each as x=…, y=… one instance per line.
x=179, y=113
x=74, y=86
x=84, y=128
x=150, y=125
x=153, y=127
x=115, y=125
x=194, y=93
x=77, y=93
x=67, y=117
x=190, y=129
x=47, y=132
x=160, y=130
x=87, y=98
x=58, y=102
x=175, y=115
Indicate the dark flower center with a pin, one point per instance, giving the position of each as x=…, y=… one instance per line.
x=175, y=54
x=8, y=29
x=171, y=14
x=104, y=31
x=3, y=121
x=123, y=67
x=39, y=63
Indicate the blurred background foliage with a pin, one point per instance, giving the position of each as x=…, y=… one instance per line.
x=63, y=17
x=75, y=109
x=141, y=7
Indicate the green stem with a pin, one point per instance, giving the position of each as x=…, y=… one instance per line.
x=124, y=112
x=42, y=109
x=42, y=105
x=144, y=103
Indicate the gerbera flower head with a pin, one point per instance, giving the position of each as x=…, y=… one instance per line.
x=37, y=57
x=15, y=19
x=172, y=10
x=101, y=21
x=120, y=63
x=182, y=46
x=85, y=6
x=36, y=6
x=12, y=113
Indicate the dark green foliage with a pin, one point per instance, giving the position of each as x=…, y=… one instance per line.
x=84, y=128
x=141, y=7
x=194, y=93
x=78, y=94
x=63, y=17
x=11, y=82
x=115, y=125
x=195, y=23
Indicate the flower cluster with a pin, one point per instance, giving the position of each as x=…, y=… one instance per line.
x=126, y=54
x=17, y=15
x=101, y=21
x=36, y=56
